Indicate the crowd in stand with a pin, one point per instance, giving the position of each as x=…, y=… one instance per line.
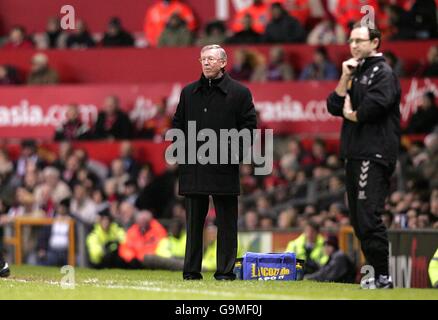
x=122, y=206
x=173, y=24
x=317, y=22
x=248, y=64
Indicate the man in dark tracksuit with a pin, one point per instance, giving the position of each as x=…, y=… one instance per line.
x=368, y=98
x=214, y=102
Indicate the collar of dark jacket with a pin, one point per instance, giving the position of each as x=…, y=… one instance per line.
x=221, y=83
x=371, y=61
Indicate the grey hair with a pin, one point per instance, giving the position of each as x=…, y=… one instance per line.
x=222, y=52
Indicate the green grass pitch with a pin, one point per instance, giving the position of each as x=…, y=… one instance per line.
x=30, y=282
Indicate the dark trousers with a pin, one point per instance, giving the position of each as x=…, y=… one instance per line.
x=226, y=220
x=367, y=188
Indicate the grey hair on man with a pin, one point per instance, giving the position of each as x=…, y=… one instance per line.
x=223, y=54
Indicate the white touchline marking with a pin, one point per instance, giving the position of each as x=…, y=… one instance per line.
x=109, y=285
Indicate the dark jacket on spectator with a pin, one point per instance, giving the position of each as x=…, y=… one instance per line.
x=339, y=268
x=423, y=121
x=431, y=70
x=283, y=30
x=375, y=95
x=245, y=37
x=119, y=127
x=72, y=130
x=214, y=104
x=122, y=39
x=83, y=40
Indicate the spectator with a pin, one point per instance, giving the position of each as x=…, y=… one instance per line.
x=248, y=181
x=119, y=175
x=321, y=68
x=65, y=149
x=279, y=69
x=18, y=39
x=431, y=69
x=327, y=32
x=126, y=154
x=103, y=242
x=250, y=221
x=309, y=247
x=160, y=191
x=51, y=191
x=176, y=33
x=72, y=128
x=53, y=241
x=299, y=9
x=424, y=19
x=158, y=15
x=433, y=270
x=283, y=28
x=259, y=13
x=28, y=158
x=287, y=219
x=394, y=62
x=214, y=34
x=6, y=168
x=174, y=245
x=116, y=35
x=70, y=172
x=339, y=267
x=142, y=239
x=348, y=12
x=126, y=216
x=317, y=156
x=241, y=68
x=400, y=24
x=425, y=119
x=82, y=207
x=93, y=166
x=428, y=168
x=247, y=35
x=266, y=222
x=247, y=65
x=9, y=75
x=434, y=207
x=54, y=37
x=156, y=127
x=80, y=38
x=112, y=123
x=40, y=72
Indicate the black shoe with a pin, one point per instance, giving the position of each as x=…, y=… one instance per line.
x=192, y=276
x=4, y=270
x=230, y=277
x=384, y=282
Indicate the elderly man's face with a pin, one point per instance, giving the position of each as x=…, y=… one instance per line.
x=212, y=63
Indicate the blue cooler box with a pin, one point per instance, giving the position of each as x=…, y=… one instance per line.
x=269, y=266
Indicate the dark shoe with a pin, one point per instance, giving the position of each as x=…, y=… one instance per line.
x=230, y=277
x=4, y=270
x=192, y=276
x=384, y=282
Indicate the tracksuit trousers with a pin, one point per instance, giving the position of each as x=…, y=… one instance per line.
x=367, y=184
